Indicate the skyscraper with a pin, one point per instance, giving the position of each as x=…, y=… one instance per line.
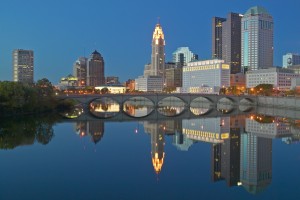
x=80, y=70
x=183, y=55
x=95, y=70
x=158, y=52
x=23, y=66
x=257, y=39
x=231, y=42
x=217, y=37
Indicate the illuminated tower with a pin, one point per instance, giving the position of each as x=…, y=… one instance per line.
x=158, y=52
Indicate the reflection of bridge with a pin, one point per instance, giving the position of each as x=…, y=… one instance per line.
x=155, y=115
x=187, y=98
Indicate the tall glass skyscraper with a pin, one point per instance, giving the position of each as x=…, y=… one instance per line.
x=23, y=65
x=257, y=39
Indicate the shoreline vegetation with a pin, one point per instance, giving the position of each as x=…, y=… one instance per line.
x=19, y=99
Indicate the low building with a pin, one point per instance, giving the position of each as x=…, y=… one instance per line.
x=207, y=76
x=112, y=89
x=280, y=78
x=112, y=80
x=149, y=83
x=238, y=80
x=68, y=82
x=130, y=85
x=174, y=77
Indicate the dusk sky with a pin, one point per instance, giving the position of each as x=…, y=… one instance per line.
x=60, y=31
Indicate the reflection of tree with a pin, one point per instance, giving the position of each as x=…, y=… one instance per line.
x=104, y=106
x=25, y=131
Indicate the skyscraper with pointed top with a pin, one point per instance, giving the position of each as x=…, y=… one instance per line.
x=157, y=66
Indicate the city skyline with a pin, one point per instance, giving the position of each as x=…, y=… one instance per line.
x=59, y=35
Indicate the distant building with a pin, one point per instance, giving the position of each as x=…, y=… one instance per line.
x=217, y=37
x=68, y=82
x=280, y=78
x=112, y=80
x=257, y=39
x=112, y=89
x=173, y=77
x=290, y=59
x=23, y=66
x=130, y=85
x=238, y=80
x=183, y=55
x=80, y=70
x=207, y=76
x=95, y=70
x=149, y=83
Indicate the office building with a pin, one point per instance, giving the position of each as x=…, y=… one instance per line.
x=95, y=70
x=231, y=42
x=182, y=56
x=280, y=78
x=207, y=76
x=80, y=70
x=217, y=37
x=112, y=80
x=23, y=66
x=173, y=77
x=257, y=39
x=149, y=83
x=290, y=59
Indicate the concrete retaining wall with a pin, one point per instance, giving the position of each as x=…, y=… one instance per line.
x=279, y=102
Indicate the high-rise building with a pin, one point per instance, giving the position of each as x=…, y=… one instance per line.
x=23, y=65
x=257, y=39
x=290, y=59
x=80, y=70
x=158, y=52
x=95, y=70
x=217, y=37
x=183, y=55
x=231, y=42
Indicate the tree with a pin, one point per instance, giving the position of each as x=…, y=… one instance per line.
x=45, y=87
x=104, y=90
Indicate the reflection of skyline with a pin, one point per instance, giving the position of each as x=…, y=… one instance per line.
x=94, y=129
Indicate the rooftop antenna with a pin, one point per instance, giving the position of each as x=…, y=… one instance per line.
x=158, y=20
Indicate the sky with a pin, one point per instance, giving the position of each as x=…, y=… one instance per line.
x=60, y=31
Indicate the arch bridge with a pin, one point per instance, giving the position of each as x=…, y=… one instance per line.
x=187, y=98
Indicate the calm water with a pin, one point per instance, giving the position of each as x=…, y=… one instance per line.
x=249, y=156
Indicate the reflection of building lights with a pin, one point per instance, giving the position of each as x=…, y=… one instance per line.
x=239, y=183
x=136, y=130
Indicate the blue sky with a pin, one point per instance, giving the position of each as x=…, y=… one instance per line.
x=59, y=31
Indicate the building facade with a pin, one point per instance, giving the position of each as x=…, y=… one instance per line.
x=23, y=66
x=290, y=59
x=182, y=56
x=257, y=39
x=95, y=70
x=173, y=77
x=207, y=76
x=80, y=70
x=231, y=42
x=149, y=83
x=280, y=78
